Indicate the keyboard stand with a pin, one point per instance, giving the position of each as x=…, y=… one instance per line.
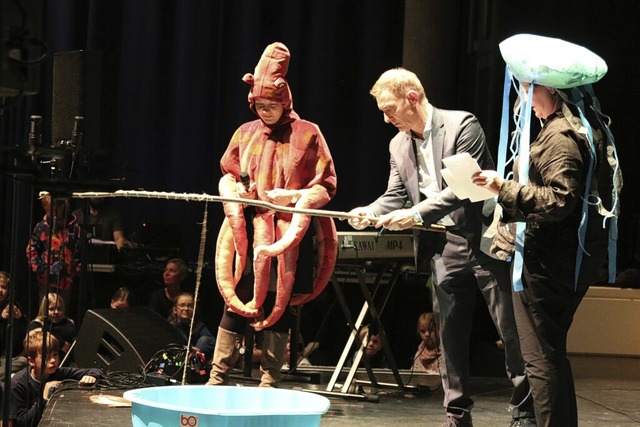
x=369, y=307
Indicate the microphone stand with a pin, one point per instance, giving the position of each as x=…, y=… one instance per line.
x=6, y=396
x=76, y=143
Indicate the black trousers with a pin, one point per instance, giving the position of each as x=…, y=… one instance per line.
x=544, y=312
x=234, y=322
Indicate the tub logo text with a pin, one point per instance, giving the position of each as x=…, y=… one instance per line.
x=189, y=420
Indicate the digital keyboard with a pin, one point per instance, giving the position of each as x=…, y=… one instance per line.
x=366, y=245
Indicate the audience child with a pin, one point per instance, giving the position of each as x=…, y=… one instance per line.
x=27, y=401
x=372, y=342
x=18, y=361
x=121, y=298
x=56, y=323
x=427, y=358
x=201, y=338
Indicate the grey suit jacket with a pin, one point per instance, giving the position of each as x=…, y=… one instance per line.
x=452, y=132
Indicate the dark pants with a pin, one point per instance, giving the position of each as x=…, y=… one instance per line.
x=234, y=322
x=544, y=312
x=457, y=276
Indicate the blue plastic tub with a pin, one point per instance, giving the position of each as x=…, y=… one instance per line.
x=221, y=406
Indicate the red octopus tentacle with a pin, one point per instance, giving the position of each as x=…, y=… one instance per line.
x=327, y=247
x=287, y=264
x=312, y=197
x=263, y=225
x=235, y=214
x=225, y=277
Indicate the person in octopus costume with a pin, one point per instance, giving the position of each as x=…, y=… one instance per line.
x=284, y=160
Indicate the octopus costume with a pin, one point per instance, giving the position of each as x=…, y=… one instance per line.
x=291, y=155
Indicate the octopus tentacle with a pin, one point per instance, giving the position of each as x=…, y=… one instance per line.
x=327, y=248
x=263, y=225
x=225, y=276
x=315, y=196
x=287, y=265
x=234, y=212
x=289, y=232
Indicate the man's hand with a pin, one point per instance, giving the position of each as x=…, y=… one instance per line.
x=400, y=219
x=361, y=221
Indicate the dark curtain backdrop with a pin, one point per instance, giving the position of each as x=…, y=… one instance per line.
x=173, y=75
x=173, y=93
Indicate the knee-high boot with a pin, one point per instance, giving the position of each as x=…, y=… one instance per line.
x=225, y=356
x=274, y=349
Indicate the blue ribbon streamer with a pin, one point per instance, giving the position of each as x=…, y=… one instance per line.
x=584, y=219
x=523, y=179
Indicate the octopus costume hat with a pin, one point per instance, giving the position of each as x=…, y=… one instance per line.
x=291, y=154
x=268, y=80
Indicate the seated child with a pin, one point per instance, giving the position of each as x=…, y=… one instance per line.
x=18, y=361
x=427, y=358
x=121, y=298
x=58, y=324
x=201, y=338
x=27, y=402
x=373, y=347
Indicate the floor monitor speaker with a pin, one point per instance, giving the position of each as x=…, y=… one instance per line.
x=122, y=339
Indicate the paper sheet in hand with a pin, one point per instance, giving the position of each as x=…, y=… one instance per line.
x=460, y=168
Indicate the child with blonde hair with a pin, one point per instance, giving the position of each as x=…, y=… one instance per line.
x=52, y=316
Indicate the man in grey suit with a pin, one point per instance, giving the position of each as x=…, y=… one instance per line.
x=426, y=136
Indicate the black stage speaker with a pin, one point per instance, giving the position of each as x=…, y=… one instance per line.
x=83, y=86
x=122, y=339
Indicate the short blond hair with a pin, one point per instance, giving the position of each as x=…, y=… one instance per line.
x=33, y=343
x=398, y=81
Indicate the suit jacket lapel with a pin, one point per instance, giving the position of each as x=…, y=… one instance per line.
x=437, y=142
x=408, y=168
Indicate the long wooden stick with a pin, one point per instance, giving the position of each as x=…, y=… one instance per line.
x=193, y=197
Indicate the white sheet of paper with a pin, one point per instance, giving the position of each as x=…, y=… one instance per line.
x=455, y=186
x=460, y=168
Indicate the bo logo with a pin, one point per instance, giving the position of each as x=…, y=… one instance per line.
x=188, y=420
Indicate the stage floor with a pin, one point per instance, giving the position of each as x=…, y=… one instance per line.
x=608, y=392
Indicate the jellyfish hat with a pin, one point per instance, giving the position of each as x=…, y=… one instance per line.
x=572, y=68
